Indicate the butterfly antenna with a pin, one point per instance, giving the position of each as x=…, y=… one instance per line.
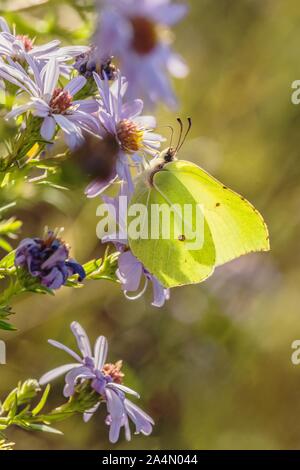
x=186, y=134
x=180, y=134
x=171, y=135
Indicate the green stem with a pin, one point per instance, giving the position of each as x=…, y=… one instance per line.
x=23, y=143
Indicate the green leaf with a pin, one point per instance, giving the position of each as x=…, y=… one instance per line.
x=42, y=401
x=52, y=185
x=8, y=206
x=43, y=428
x=13, y=407
x=232, y=226
x=8, y=261
x=5, y=245
x=9, y=400
x=4, y=325
x=92, y=266
x=10, y=227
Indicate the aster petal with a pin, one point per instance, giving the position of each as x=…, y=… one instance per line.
x=48, y=128
x=115, y=408
x=75, y=268
x=71, y=51
x=44, y=49
x=122, y=85
x=5, y=47
x=51, y=76
x=169, y=14
x=88, y=414
x=74, y=140
x=118, y=211
x=108, y=122
x=15, y=76
x=66, y=125
x=119, y=87
x=153, y=137
x=127, y=428
x=73, y=376
x=104, y=91
x=82, y=339
x=160, y=294
x=3, y=25
x=83, y=119
x=123, y=171
x=57, y=372
x=54, y=280
x=18, y=111
x=152, y=3
x=73, y=133
x=145, y=122
x=130, y=271
x=157, y=82
x=75, y=85
x=132, y=109
x=61, y=346
x=177, y=66
x=122, y=388
x=40, y=107
x=34, y=67
x=142, y=421
x=115, y=239
x=100, y=352
x=96, y=187
x=59, y=255
x=88, y=106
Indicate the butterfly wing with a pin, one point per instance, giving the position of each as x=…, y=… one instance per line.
x=170, y=259
x=236, y=226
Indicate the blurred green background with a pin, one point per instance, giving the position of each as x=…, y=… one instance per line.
x=213, y=367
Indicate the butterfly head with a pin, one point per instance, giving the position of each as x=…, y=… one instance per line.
x=169, y=155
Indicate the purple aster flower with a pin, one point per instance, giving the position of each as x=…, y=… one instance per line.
x=131, y=272
x=136, y=32
x=131, y=131
x=18, y=46
x=53, y=104
x=48, y=260
x=106, y=379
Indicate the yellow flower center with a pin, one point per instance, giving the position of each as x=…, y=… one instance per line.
x=130, y=136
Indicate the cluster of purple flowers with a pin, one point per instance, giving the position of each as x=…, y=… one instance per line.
x=131, y=31
x=106, y=379
x=79, y=92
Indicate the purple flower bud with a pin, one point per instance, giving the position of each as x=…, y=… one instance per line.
x=48, y=260
x=94, y=61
